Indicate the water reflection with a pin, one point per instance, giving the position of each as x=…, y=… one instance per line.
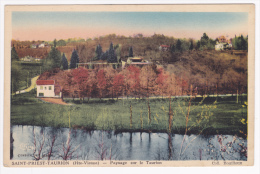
x=46, y=143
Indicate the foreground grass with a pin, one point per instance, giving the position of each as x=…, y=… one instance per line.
x=208, y=117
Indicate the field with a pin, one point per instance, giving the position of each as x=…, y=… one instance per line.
x=211, y=115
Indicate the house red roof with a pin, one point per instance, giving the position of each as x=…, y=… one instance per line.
x=164, y=45
x=45, y=82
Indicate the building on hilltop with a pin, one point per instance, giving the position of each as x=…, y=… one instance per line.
x=99, y=64
x=48, y=88
x=42, y=45
x=222, y=43
x=39, y=45
x=138, y=61
x=27, y=59
x=164, y=47
x=34, y=46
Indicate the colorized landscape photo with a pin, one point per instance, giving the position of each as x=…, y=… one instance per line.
x=147, y=86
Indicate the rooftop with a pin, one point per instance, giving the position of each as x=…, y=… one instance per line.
x=45, y=82
x=164, y=45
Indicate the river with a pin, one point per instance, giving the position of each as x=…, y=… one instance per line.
x=43, y=143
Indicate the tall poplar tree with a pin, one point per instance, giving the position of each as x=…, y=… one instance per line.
x=111, y=54
x=191, y=45
x=74, y=59
x=14, y=55
x=98, y=52
x=64, y=62
x=178, y=45
x=54, y=57
x=131, y=54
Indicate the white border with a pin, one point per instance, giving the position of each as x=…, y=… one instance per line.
x=246, y=170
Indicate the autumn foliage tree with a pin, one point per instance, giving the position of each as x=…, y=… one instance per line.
x=161, y=82
x=107, y=82
x=147, y=81
x=80, y=76
x=133, y=79
x=101, y=82
x=118, y=84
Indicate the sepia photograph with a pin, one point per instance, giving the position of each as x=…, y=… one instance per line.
x=129, y=85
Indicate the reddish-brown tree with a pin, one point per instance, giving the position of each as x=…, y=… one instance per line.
x=101, y=82
x=147, y=81
x=118, y=84
x=161, y=82
x=134, y=80
x=80, y=76
x=91, y=84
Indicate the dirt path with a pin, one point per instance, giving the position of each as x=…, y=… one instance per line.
x=54, y=101
x=33, y=85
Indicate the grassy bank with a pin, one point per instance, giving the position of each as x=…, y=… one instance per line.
x=221, y=116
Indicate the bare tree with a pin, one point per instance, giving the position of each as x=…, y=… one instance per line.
x=67, y=148
x=38, y=144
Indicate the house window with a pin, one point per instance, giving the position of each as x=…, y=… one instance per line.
x=41, y=94
x=49, y=87
x=45, y=88
x=41, y=87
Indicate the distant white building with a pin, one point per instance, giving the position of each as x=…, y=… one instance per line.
x=34, y=46
x=37, y=59
x=223, y=46
x=48, y=88
x=223, y=43
x=42, y=45
x=219, y=46
x=27, y=59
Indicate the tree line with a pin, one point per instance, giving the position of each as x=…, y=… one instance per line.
x=111, y=83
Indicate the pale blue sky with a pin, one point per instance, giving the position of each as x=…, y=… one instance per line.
x=177, y=24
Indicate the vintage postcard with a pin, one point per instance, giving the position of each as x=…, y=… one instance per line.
x=129, y=85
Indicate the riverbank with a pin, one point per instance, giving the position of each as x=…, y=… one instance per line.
x=210, y=116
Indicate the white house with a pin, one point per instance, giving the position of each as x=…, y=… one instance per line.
x=37, y=59
x=219, y=46
x=48, y=88
x=27, y=59
x=34, y=46
x=41, y=45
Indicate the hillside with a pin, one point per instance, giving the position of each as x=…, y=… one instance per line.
x=209, y=71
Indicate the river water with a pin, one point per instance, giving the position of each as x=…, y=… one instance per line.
x=42, y=143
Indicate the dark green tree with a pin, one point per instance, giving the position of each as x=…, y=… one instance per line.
x=178, y=45
x=98, y=52
x=64, y=62
x=74, y=59
x=16, y=76
x=204, y=40
x=172, y=48
x=104, y=56
x=234, y=42
x=131, y=54
x=240, y=43
x=14, y=55
x=198, y=45
x=112, y=58
x=243, y=43
x=54, y=57
x=191, y=45
x=54, y=43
